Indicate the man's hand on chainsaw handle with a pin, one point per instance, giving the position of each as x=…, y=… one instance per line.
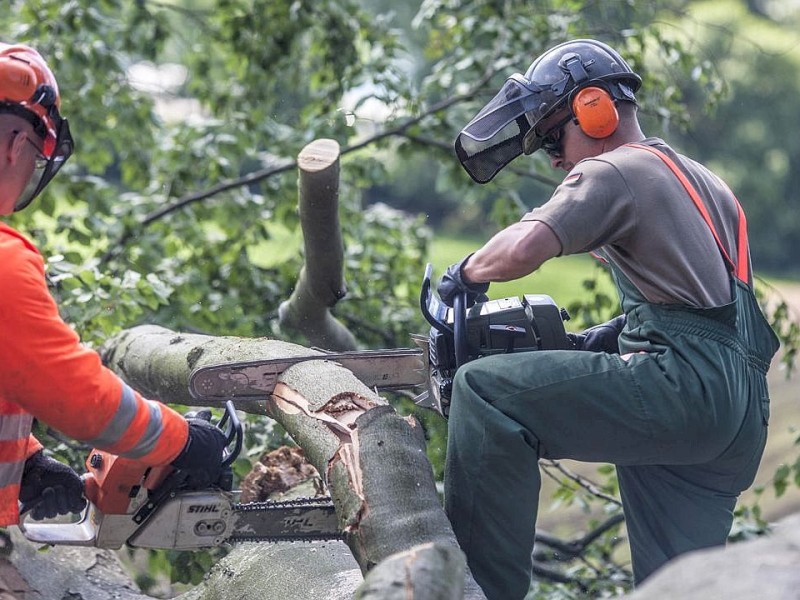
x=50, y=488
x=453, y=284
x=201, y=458
x=600, y=338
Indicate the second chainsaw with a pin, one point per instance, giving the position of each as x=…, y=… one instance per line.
x=152, y=507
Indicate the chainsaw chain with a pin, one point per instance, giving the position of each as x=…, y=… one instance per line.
x=319, y=501
x=284, y=538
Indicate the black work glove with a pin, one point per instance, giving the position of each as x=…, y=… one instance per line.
x=201, y=458
x=50, y=488
x=600, y=338
x=453, y=284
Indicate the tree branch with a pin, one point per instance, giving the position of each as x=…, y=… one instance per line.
x=586, y=484
x=574, y=548
x=320, y=284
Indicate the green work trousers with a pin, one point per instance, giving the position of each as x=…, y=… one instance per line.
x=684, y=419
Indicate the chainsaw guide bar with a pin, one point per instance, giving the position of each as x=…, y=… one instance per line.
x=296, y=520
x=386, y=370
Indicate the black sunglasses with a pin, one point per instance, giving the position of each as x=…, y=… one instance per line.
x=551, y=141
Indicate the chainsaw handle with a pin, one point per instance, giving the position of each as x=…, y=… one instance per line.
x=433, y=309
x=82, y=532
x=234, y=433
x=460, y=343
x=26, y=507
x=231, y=427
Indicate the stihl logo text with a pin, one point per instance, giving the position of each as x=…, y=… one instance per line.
x=203, y=508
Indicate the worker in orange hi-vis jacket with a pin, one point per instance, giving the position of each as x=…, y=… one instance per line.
x=45, y=372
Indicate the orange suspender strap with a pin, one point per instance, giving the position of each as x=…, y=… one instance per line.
x=740, y=267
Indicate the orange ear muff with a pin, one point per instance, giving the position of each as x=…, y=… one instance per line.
x=596, y=112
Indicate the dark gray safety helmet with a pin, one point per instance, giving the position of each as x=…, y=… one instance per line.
x=507, y=126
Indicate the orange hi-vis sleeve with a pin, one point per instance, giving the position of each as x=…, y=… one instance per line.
x=48, y=373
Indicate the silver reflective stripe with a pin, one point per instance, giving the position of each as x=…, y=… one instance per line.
x=150, y=436
x=11, y=473
x=121, y=422
x=15, y=427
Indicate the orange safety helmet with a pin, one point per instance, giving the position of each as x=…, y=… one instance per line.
x=29, y=90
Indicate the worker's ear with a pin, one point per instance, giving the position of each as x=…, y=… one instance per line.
x=13, y=149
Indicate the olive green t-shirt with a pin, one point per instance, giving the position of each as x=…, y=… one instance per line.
x=630, y=207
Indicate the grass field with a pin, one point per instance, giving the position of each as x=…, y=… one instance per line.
x=561, y=279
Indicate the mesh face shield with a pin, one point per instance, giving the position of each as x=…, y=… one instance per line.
x=495, y=136
x=55, y=155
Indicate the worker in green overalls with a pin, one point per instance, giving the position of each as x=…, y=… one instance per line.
x=673, y=392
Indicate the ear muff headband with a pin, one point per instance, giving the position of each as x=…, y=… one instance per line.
x=595, y=111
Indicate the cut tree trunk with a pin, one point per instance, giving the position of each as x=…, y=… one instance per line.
x=372, y=459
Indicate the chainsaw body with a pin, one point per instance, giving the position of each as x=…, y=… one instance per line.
x=459, y=335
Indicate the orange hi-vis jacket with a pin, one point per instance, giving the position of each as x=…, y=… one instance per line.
x=45, y=372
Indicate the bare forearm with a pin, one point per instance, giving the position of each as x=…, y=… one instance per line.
x=514, y=252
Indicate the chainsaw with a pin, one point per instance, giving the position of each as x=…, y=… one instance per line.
x=152, y=507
